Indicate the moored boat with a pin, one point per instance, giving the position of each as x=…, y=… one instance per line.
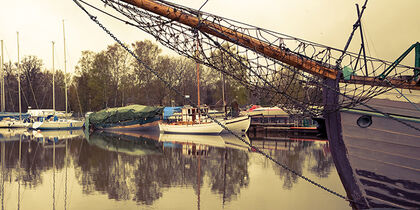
x=58, y=124
x=194, y=122
x=15, y=123
x=132, y=117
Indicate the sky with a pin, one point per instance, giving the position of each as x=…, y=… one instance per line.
x=391, y=26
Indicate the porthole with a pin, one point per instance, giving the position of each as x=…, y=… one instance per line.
x=364, y=121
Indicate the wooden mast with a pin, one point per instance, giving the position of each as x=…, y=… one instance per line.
x=228, y=34
x=262, y=47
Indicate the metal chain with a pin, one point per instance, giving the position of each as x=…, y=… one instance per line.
x=93, y=18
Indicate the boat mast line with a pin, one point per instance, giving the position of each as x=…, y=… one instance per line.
x=18, y=70
x=94, y=18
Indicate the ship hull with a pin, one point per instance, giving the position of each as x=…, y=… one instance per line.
x=58, y=125
x=14, y=124
x=148, y=126
x=237, y=125
x=377, y=157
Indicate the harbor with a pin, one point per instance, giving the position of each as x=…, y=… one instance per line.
x=156, y=104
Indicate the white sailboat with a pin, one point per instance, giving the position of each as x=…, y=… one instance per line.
x=196, y=120
x=193, y=122
x=54, y=123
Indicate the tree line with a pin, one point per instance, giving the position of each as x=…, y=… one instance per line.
x=113, y=78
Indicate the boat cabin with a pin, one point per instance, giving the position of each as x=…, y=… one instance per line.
x=192, y=114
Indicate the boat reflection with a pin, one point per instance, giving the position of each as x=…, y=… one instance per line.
x=56, y=135
x=204, y=141
x=130, y=143
x=13, y=134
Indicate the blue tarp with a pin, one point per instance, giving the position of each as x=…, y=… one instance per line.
x=169, y=111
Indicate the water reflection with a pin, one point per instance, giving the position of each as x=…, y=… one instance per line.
x=142, y=167
x=295, y=154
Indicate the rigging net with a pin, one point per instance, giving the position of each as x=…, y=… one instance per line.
x=288, y=70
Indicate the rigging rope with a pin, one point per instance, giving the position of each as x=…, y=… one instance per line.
x=94, y=19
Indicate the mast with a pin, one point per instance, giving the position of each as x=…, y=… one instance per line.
x=53, y=82
x=198, y=84
x=18, y=70
x=65, y=70
x=265, y=48
x=3, y=103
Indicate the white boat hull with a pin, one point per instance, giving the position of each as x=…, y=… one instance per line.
x=236, y=125
x=14, y=124
x=57, y=125
x=204, y=128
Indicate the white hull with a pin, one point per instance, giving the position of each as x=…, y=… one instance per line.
x=236, y=125
x=204, y=128
x=14, y=124
x=57, y=125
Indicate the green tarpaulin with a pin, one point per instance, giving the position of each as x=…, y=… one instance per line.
x=122, y=114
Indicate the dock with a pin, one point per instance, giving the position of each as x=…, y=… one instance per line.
x=273, y=123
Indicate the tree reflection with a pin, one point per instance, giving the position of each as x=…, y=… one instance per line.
x=324, y=162
x=294, y=154
x=35, y=159
x=143, y=177
x=229, y=173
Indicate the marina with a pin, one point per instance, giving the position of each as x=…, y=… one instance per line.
x=199, y=105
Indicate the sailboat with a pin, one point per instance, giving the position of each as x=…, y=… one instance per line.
x=12, y=120
x=374, y=143
x=53, y=122
x=196, y=120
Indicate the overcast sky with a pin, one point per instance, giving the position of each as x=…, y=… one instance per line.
x=391, y=26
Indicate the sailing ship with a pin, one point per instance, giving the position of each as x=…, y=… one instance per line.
x=197, y=122
x=374, y=143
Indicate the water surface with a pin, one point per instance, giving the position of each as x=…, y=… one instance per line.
x=68, y=170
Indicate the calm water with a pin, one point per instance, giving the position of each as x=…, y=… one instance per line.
x=67, y=170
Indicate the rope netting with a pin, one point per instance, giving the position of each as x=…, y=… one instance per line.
x=288, y=70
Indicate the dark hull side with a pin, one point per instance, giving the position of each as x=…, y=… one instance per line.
x=379, y=161
x=145, y=124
